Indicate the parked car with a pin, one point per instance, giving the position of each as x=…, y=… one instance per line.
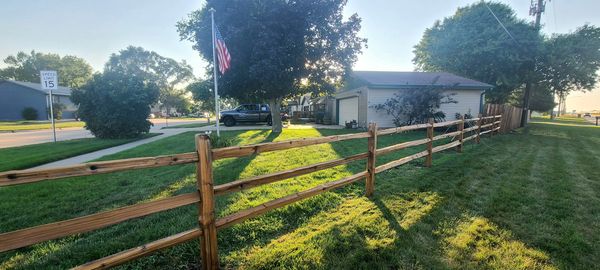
x=587, y=115
x=248, y=113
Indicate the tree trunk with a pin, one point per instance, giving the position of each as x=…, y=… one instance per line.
x=277, y=125
x=559, y=105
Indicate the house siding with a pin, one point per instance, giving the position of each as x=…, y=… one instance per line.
x=14, y=98
x=468, y=101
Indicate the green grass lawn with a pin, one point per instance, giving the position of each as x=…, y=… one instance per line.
x=35, y=125
x=23, y=157
x=562, y=121
x=525, y=200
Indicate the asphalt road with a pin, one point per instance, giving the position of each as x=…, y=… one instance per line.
x=41, y=136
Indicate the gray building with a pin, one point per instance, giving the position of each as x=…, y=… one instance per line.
x=370, y=88
x=15, y=96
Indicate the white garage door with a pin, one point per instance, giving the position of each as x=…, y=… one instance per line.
x=348, y=110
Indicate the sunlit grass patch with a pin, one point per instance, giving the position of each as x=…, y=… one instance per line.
x=341, y=237
x=409, y=208
x=477, y=243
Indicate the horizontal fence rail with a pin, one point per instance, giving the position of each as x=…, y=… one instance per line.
x=240, y=151
x=90, y=168
x=34, y=235
x=204, y=197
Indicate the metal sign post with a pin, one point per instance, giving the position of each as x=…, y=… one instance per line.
x=49, y=81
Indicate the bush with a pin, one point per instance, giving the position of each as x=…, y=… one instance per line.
x=116, y=105
x=29, y=114
x=416, y=106
x=57, y=109
x=220, y=142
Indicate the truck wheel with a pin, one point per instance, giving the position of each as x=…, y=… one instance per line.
x=229, y=122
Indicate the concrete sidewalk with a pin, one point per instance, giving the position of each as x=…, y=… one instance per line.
x=166, y=133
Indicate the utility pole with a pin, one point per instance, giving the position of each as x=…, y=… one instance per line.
x=537, y=8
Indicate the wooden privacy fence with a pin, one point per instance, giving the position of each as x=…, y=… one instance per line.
x=206, y=191
x=511, y=115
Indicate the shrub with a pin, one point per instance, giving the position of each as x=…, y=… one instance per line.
x=220, y=142
x=29, y=114
x=57, y=109
x=116, y=105
x=415, y=106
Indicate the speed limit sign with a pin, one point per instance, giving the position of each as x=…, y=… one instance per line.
x=49, y=79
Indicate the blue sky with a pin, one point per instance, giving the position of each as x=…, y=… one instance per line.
x=93, y=29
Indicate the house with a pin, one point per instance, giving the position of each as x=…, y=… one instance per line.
x=375, y=87
x=15, y=96
x=307, y=107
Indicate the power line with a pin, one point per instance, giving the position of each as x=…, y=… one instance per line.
x=500, y=22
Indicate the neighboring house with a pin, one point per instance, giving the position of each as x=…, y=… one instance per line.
x=375, y=87
x=307, y=107
x=299, y=104
x=15, y=96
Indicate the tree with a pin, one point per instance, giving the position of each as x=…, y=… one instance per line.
x=72, y=71
x=178, y=100
x=278, y=48
x=541, y=99
x=570, y=61
x=204, y=95
x=166, y=73
x=116, y=105
x=416, y=106
x=471, y=43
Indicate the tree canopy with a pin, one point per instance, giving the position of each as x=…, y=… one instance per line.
x=278, y=48
x=72, y=71
x=166, y=73
x=471, y=43
x=570, y=61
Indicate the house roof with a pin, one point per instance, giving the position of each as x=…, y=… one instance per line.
x=62, y=91
x=395, y=79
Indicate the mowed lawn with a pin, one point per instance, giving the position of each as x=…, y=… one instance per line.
x=525, y=200
x=36, y=125
x=23, y=157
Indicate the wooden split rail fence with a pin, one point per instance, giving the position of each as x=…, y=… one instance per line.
x=206, y=191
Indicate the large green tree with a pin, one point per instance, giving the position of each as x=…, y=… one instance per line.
x=278, y=48
x=72, y=71
x=570, y=61
x=472, y=43
x=170, y=75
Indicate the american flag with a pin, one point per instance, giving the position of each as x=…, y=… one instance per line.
x=222, y=52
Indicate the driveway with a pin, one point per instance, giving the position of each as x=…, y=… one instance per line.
x=41, y=136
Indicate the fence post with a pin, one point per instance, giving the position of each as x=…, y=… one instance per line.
x=493, y=126
x=461, y=127
x=204, y=182
x=370, y=182
x=429, y=159
x=477, y=139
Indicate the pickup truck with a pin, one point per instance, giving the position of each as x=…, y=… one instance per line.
x=248, y=113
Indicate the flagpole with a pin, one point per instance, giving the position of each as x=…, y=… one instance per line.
x=215, y=74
